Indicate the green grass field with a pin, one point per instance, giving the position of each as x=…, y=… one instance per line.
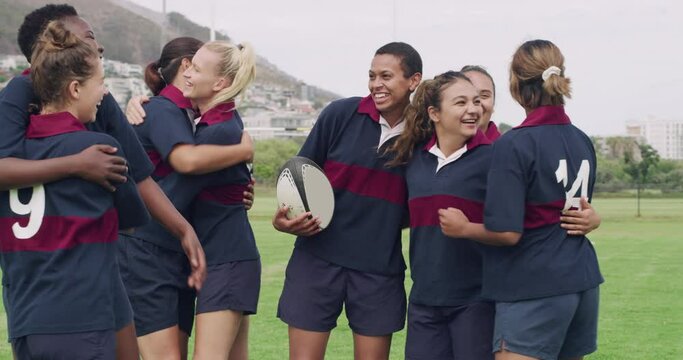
x=641, y=313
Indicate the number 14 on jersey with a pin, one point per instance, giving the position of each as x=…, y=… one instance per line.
x=580, y=184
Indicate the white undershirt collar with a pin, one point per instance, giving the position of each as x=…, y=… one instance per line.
x=388, y=132
x=442, y=160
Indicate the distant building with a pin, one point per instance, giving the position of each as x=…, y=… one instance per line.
x=121, y=69
x=282, y=125
x=306, y=92
x=665, y=136
x=124, y=88
x=301, y=106
x=292, y=120
x=12, y=62
x=124, y=81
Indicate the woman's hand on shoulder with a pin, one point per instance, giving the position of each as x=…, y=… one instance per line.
x=134, y=111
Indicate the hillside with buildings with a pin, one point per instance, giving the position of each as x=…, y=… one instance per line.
x=132, y=37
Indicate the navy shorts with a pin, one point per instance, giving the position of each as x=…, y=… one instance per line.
x=123, y=312
x=564, y=326
x=156, y=282
x=450, y=332
x=315, y=292
x=231, y=286
x=99, y=345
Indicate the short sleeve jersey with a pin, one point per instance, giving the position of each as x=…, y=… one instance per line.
x=218, y=209
x=14, y=103
x=370, y=198
x=166, y=125
x=58, y=239
x=538, y=169
x=446, y=271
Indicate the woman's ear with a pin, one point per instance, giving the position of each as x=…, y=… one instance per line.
x=415, y=81
x=185, y=64
x=73, y=90
x=433, y=114
x=221, y=83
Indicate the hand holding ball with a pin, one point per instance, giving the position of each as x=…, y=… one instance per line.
x=302, y=186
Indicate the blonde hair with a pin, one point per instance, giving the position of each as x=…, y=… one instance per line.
x=419, y=127
x=237, y=63
x=58, y=58
x=527, y=86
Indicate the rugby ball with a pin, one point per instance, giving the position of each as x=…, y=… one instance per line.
x=302, y=186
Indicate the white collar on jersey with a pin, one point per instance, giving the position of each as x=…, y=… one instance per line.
x=388, y=132
x=442, y=160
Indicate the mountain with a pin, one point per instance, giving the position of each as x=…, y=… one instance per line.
x=131, y=33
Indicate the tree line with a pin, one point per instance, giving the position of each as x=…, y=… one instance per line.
x=624, y=165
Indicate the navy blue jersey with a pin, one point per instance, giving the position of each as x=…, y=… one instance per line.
x=218, y=213
x=110, y=119
x=446, y=271
x=370, y=198
x=57, y=247
x=14, y=102
x=538, y=169
x=166, y=125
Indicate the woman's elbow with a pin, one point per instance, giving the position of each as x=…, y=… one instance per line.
x=510, y=238
x=183, y=162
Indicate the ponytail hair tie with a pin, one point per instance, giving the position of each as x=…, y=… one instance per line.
x=240, y=47
x=553, y=70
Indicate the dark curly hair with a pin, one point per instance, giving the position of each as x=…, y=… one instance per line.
x=35, y=23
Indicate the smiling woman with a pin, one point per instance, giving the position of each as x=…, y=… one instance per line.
x=364, y=277
x=392, y=79
x=446, y=159
x=58, y=260
x=219, y=72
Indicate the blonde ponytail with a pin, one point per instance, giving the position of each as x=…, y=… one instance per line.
x=238, y=64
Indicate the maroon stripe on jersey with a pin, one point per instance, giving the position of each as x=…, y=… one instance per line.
x=367, y=182
x=424, y=211
x=161, y=168
x=60, y=232
x=225, y=194
x=538, y=215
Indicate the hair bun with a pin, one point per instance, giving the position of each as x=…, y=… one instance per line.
x=57, y=37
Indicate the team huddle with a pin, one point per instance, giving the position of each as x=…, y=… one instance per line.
x=121, y=233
